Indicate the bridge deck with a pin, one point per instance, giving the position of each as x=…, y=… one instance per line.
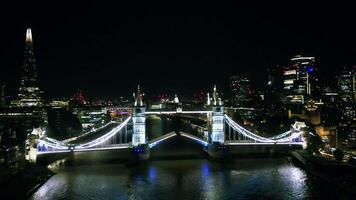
x=156, y=141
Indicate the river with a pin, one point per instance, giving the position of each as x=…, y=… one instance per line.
x=270, y=178
x=199, y=178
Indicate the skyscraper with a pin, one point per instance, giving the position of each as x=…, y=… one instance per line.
x=2, y=92
x=345, y=82
x=29, y=92
x=345, y=85
x=241, y=91
x=301, y=80
x=273, y=85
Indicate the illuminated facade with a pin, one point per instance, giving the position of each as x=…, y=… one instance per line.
x=300, y=80
x=346, y=90
x=345, y=84
x=217, y=118
x=29, y=92
x=138, y=120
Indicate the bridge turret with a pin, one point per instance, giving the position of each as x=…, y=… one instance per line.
x=208, y=99
x=216, y=99
x=31, y=145
x=138, y=97
x=217, y=119
x=140, y=148
x=298, y=127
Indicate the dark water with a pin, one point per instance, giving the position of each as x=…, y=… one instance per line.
x=273, y=178
x=157, y=126
x=267, y=178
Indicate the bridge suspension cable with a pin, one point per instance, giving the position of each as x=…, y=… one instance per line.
x=87, y=133
x=105, y=137
x=284, y=137
x=245, y=132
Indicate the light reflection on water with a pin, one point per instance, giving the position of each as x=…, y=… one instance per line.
x=183, y=179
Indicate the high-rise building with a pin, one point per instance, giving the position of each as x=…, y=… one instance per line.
x=345, y=83
x=354, y=81
x=301, y=81
x=273, y=85
x=241, y=91
x=63, y=123
x=2, y=90
x=29, y=91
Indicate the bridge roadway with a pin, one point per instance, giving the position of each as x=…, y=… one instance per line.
x=177, y=112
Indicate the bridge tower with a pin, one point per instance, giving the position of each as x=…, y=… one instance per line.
x=216, y=139
x=139, y=141
x=31, y=145
x=300, y=126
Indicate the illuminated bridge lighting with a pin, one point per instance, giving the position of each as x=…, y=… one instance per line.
x=264, y=143
x=53, y=152
x=121, y=146
x=105, y=137
x=162, y=138
x=280, y=136
x=50, y=145
x=203, y=142
x=246, y=132
x=87, y=133
x=47, y=144
x=175, y=112
x=276, y=139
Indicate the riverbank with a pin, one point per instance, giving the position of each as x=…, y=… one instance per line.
x=26, y=182
x=341, y=176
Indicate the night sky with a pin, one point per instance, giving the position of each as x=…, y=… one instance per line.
x=107, y=49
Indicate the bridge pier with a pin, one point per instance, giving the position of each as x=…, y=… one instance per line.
x=140, y=149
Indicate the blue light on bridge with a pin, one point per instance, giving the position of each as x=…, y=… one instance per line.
x=205, y=144
x=41, y=147
x=138, y=150
x=153, y=145
x=298, y=139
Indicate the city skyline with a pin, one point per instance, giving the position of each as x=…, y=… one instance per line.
x=168, y=100
x=30, y=52
x=81, y=47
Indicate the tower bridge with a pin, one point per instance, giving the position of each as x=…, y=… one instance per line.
x=223, y=134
